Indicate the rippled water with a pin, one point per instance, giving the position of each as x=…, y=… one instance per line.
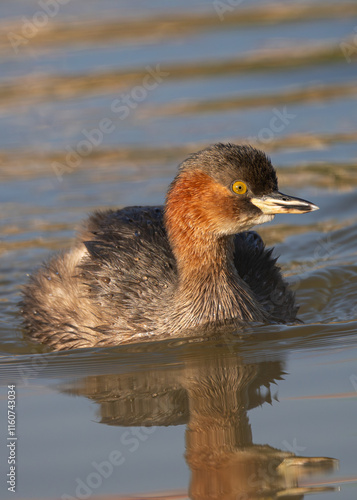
x=224, y=419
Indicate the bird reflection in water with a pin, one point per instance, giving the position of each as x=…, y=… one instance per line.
x=212, y=395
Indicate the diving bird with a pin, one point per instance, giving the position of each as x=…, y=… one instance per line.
x=143, y=272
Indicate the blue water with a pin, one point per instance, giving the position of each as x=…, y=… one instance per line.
x=292, y=388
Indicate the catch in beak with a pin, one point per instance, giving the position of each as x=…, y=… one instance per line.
x=279, y=203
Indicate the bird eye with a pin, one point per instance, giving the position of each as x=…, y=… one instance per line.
x=239, y=187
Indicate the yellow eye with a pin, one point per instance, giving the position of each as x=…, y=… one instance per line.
x=239, y=187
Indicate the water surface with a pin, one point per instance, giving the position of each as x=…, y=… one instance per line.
x=271, y=409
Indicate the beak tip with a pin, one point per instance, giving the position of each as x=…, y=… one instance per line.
x=314, y=207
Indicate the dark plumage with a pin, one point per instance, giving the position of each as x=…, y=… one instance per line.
x=144, y=272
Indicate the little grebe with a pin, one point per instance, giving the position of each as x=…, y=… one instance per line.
x=144, y=272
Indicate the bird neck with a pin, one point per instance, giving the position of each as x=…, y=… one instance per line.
x=209, y=287
x=191, y=226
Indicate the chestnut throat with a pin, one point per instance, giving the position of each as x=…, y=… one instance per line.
x=208, y=288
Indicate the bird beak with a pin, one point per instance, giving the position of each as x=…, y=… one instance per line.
x=279, y=203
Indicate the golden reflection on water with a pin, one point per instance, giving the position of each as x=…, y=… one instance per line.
x=61, y=87
x=88, y=32
x=34, y=164
x=211, y=395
